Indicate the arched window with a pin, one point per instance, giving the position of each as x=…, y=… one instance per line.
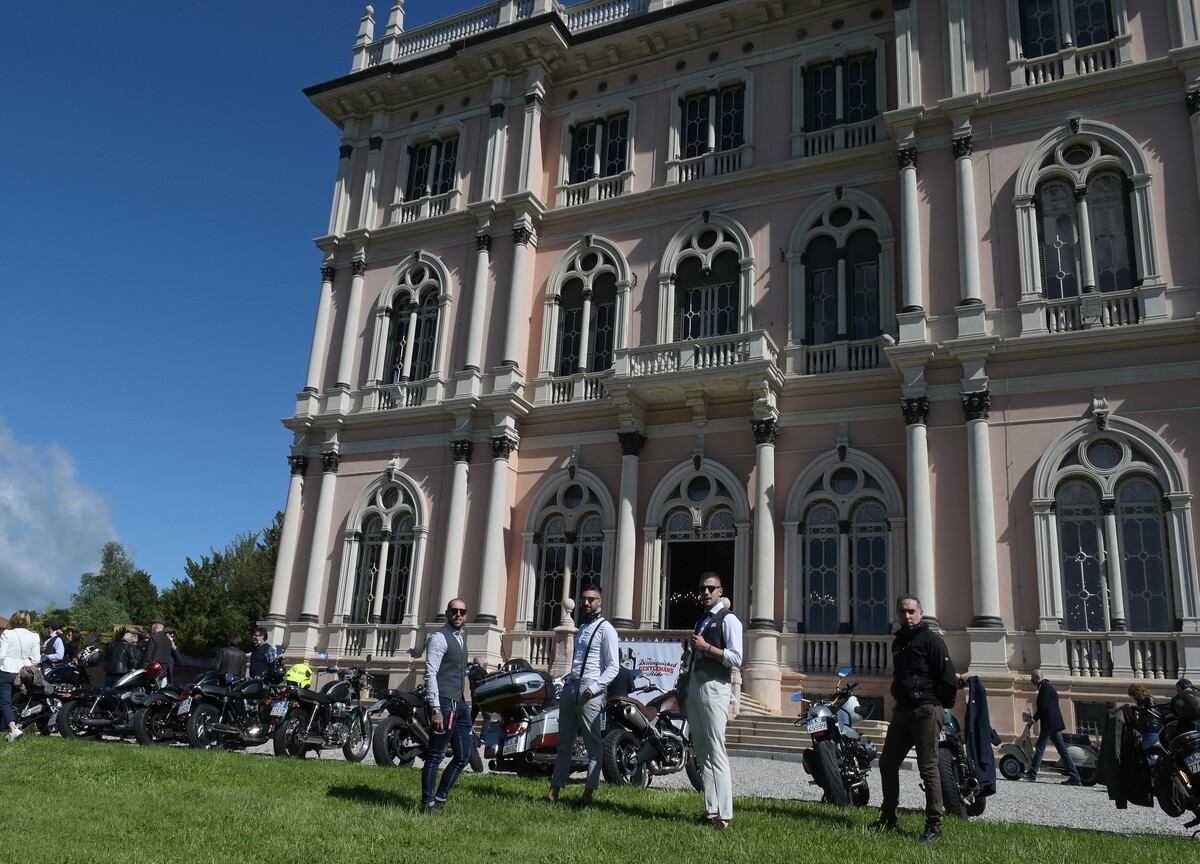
x=568, y=550
x=842, y=284
x=408, y=357
x=706, y=298
x=413, y=363
x=384, y=568
x=706, y=281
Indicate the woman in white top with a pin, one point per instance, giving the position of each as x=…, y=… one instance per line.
x=19, y=647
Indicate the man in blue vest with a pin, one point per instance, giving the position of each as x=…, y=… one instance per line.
x=593, y=667
x=449, y=712
x=716, y=649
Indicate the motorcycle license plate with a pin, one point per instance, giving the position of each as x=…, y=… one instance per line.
x=817, y=724
x=185, y=706
x=512, y=745
x=1193, y=763
x=279, y=708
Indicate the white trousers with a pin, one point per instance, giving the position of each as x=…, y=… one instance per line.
x=708, y=712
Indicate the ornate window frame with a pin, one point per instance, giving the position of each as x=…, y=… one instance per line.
x=731, y=236
x=371, y=502
x=1069, y=61
x=551, y=501
x=1113, y=149
x=603, y=187
x=839, y=136
x=402, y=211
x=716, y=162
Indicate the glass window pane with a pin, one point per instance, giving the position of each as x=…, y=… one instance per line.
x=1109, y=210
x=1060, y=239
x=1080, y=529
x=1148, y=605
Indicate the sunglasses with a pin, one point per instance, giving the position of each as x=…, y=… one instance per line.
x=707, y=588
x=591, y=599
x=453, y=611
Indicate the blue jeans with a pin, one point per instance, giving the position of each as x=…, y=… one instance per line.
x=457, y=723
x=6, y=688
x=1064, y=755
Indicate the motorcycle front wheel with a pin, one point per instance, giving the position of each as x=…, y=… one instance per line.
x=199, y=728
x=150, y=725
x=358, y=742
x=952, y=798
x=829, y=775
x=692, y=767
x=287, y=740
x=391, y=745
x=69, y=720
x=620, y=765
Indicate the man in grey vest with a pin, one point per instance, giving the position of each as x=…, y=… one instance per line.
x=449, y=712
x=584, y=692
x=716, y=649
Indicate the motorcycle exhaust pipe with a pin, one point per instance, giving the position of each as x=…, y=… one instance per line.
x=632, y=718
x=419, y=732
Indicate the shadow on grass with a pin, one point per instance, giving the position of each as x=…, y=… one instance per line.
x=370, y=795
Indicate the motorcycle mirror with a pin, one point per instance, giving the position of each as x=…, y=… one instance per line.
x=797, y=697
x=92, y=638
x=844, y=671
x=324, y=655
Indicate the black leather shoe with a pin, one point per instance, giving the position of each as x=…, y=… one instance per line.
x=885, y=825
x=1072, y=781
x=930, y=836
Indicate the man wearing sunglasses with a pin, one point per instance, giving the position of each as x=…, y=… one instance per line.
x=593, y=667
x=716, y=649
x=449, y=713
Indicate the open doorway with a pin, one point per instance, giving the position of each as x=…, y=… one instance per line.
x=686, y=560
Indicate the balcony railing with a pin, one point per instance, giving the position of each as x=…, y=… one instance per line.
x=846, y=356
x=714, y=352
x=595, y=189
x=1124, y=655
x=424, y=207
x=712, y=164
x=866, y=655
x=581, y=387
x=845, y=136
x=407, y=394
x=1114, y=309
x=1068, y=63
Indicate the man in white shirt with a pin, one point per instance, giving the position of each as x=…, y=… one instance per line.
x=449, y=712
x=716, y=649
x=593, y=667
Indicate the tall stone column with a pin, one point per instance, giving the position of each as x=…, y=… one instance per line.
x=622, y=587
x=288, y=537
x=493, y=538
x=516, y=335
x=350, y=334
x=761, y=675
x=1192, y=101
x=984, y=571
x=968, y=229
x=1112, y=564
x=314, y=583
x=479, y=291
x=920, y=506
x=316, y=356
x=456, y=524
x=341, y=190
x=910, y=231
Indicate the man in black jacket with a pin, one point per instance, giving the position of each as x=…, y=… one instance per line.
x=924, y=685
x=1049, y=716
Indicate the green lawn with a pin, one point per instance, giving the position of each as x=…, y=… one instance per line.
x=70, y=801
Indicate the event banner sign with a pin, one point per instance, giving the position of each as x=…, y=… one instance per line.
x=657, y=661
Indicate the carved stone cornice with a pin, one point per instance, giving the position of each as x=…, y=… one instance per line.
x=461, y=449
x=330, y=460
x=977, y=405
x=962, y=146
x=916, y=410
x=631, y=443
x=299, y=464
x=766, y=431
x=906, y=157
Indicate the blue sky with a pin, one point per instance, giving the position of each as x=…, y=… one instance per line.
x=163, y=178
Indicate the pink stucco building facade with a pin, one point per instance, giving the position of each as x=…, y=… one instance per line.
x=841, y=300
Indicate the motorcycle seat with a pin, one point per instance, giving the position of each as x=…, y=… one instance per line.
x=314, y=696
x=1186, y=742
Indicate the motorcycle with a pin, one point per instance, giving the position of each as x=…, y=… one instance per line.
x=162, y=717
x=36, y=706
x=230, y=713
x=311, y=720
x=404, y=734
x=649, y=739
x=840, y=758
x=1017, y=756
x=961, y=790
x=523, y=737
x=1174, y=761
x=88, y=712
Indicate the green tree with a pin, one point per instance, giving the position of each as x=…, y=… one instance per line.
x=224, y=592
x=115, y=593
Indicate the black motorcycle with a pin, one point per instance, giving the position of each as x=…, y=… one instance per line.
x=226, y=712
x=402, y=735
x=35, y=705
x=962, y=793
x=313, y=720
x=840, y=758
x=89, y=712
x=648, y=738
x=1174, y=761
x=162, y=716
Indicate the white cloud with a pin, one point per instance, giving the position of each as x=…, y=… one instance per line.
x=51, y=525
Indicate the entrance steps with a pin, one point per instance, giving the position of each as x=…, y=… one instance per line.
x=777, y=737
